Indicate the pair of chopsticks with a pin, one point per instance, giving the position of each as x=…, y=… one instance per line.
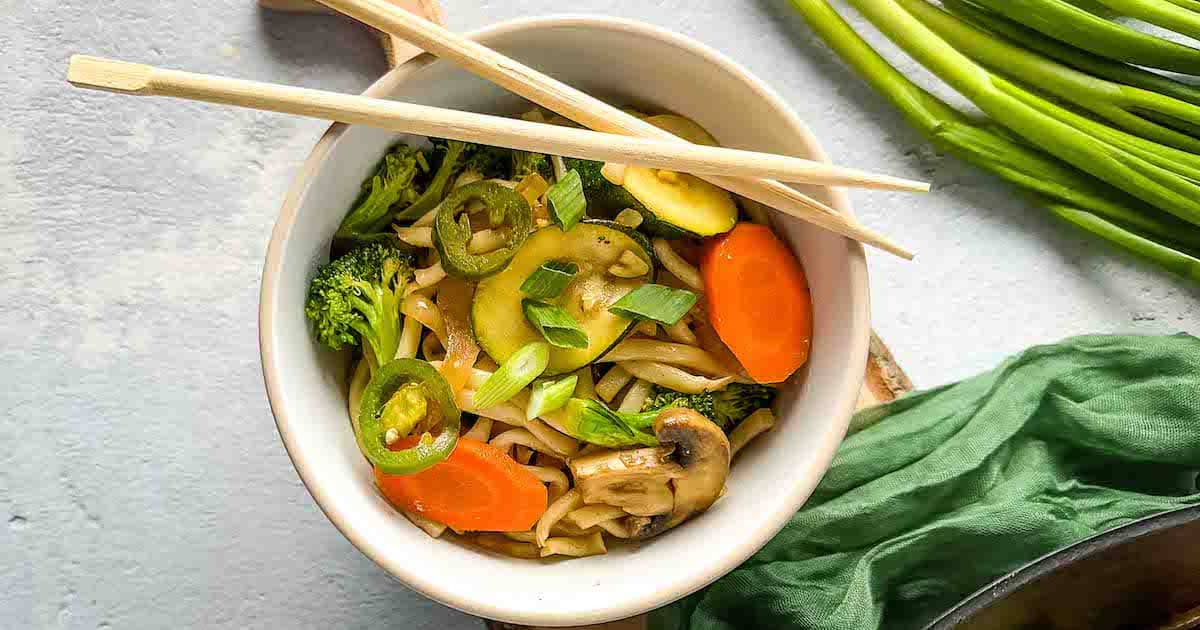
x=623, y=138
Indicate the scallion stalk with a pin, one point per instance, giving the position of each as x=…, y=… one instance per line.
x=550, y=395
x=566, y=201
x=1121, y=104
x=549, y=279
x=1079, y=59
x=1081, y=28
x=1010, y=106
x=1160, y=12
x=989, y=146
x=1157, y=253
x=519, y=370
x=555, y=324
x=655, y=302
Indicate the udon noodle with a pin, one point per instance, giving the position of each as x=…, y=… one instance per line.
x=596, y=492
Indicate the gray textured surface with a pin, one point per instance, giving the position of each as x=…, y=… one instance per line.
x=142, y=484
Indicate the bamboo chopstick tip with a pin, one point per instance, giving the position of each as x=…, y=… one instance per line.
x=887, y=182
x=97, y=73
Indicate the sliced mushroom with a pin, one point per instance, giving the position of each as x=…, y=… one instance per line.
x=637, y=481
x=662, y=486
x=703, y=450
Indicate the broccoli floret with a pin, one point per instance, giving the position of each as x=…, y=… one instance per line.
x=525, y=163
x=663, y=398
x=455, y=157
x=355, y=299
x=392, y=188
x=488, y=161
x=738, y=400
x=726, y=407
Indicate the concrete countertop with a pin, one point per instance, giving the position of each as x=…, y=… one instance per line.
x=142, y=483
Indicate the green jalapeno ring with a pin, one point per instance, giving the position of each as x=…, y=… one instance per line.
x=427, y=452
x=451, y=235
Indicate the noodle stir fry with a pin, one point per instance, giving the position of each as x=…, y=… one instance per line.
x=553, y=354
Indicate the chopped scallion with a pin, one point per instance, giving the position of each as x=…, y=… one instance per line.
x=655, y=302
x=566, y=200
x=549, y=280
x=555, y=324
x=593, y=422
x=550, y=395
x=519, y=370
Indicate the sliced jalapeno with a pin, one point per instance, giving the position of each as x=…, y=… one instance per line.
x=452, y=230
x=378, y=413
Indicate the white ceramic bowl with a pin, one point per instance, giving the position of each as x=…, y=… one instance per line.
x=626, y=63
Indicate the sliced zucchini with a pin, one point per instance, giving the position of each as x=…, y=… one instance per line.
x=603, y=197
x=673, y=205
x=595, y=246
x=682, y=200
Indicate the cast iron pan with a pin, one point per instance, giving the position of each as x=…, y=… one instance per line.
x=1141, y=576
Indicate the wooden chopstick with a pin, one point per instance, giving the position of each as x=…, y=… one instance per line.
x=143, y=80
x=589, y=111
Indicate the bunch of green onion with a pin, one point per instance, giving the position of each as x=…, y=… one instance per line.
x=1071, y=114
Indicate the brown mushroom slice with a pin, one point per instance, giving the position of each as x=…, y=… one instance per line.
x=662, y=486
x=702, y=449
x=637, y=481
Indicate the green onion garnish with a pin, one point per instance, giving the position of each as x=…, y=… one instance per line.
x=555, y=324
x=566, y=200
x=550, y=395
x=593, y=422
x=655, y=302
x=548, y=280
x=518, y=371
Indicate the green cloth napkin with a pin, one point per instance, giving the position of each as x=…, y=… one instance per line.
x=959, y=485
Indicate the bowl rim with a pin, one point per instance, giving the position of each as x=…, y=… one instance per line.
x=735, y=555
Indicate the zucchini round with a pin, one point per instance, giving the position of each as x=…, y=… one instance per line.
x=676, y=205
x=499, y=322
x=672, y=205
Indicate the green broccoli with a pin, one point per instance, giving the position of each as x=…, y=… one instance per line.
x=355, y=299
x=456, y=157
x=392, y=188
x=726, y=407
x=490, y=162
x=524, y=163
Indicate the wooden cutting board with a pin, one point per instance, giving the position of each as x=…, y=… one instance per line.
x=884, y=379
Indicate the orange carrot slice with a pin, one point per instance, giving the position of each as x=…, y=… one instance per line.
x=758, y=301
x=478, y=488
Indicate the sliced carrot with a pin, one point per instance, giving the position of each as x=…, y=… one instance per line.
x=758, y=301
x=478, y=488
